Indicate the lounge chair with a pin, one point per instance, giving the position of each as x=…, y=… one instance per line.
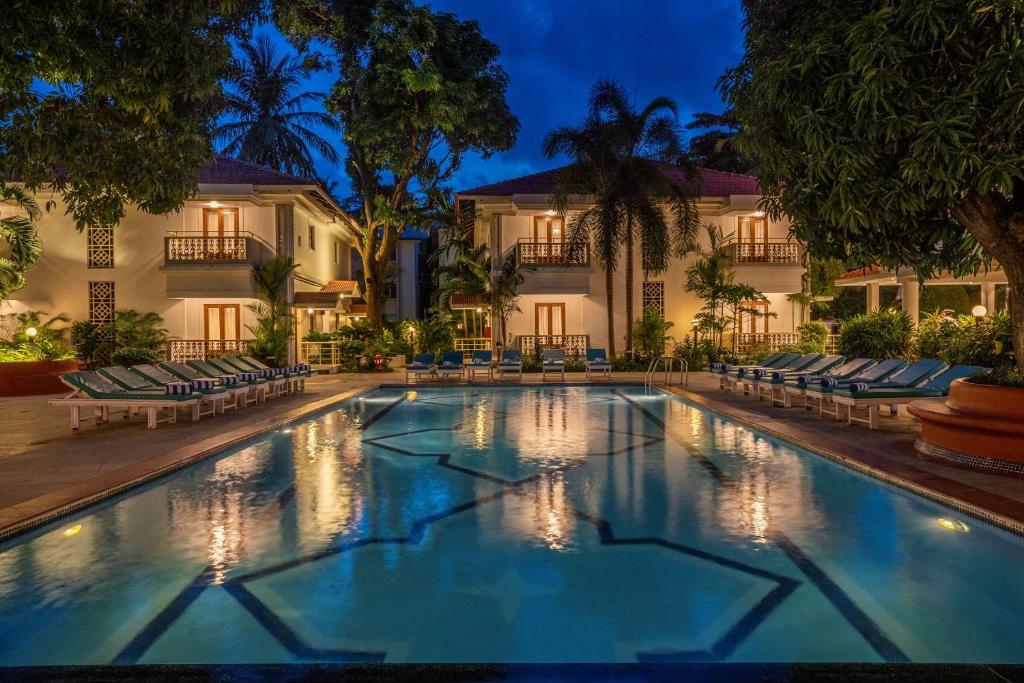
x=422, y=364
x=751, y=380
x=276, y=384
x=482, y=362
x=908, y=376
x=127, y=380
x=92, y=391
x=597, y=361
x=861, y=396
x=243, y=392
x=553, y=361
x=774, y=383
x=234, y=396
x=716, y=368
x=257, y=385
x=796, y=386
x=511, y=362
x=730, y=374
x=452, y=364
x=296, y=374
x=821, y=392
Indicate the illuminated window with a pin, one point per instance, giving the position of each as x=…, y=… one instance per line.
x=653, y=296
x=101, y=302
x=100, y=247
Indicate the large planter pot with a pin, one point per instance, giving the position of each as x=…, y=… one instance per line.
x=980, y=426
x=33, y=378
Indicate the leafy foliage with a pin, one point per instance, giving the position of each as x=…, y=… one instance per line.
x=715, y=147
x=132, y=337
x=650, y=333
x=434, y=333
x=938, y=298
x=113, y=102
x=697, y=353
x=87, y=341
x=47, y=344
x=273, y=328
x=890, y=131
x=23, y=245
x=878, y=335
x=963, y=339
x=813, y=336
x=268, y=121
x=416, y=90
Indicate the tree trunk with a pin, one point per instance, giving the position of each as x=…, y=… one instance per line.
x=999, y=227
x=609, y=291
x=373, y=293
x=629, y=287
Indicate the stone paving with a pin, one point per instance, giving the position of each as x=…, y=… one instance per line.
x=45, y=466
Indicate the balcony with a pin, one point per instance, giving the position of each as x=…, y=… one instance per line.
x=773, y=252
x=572, y=344
x=197, y=265
x=553, y=268
x=552, y=254
x=181, y=350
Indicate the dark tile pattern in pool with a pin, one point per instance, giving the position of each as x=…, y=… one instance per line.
x=719, y=650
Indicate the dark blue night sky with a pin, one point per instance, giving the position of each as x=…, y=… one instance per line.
x=554, y=50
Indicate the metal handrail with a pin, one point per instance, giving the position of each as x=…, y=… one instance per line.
x=669, y=361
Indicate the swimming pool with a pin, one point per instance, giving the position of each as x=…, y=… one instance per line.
x=532, y=524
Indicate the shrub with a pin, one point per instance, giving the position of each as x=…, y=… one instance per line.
x=756, y=352
x=650, y=333
x=697, y=354
x=937, y=298
x=132, y=337
x=86, y=338
x=882, y=334
x=963, y=340
x=813, y=335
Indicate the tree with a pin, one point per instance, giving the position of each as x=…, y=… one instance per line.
x=470, y=271
x=113, y=102
x=891, y=132
x=712, y=279
x=416, y=90
x=618, y=158
x=23, y=245
x=273, y=326
x=269, y=124
x=716, y=146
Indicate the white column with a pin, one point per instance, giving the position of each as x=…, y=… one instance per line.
x=988, y=296
x=911, y=293
x=873, y=297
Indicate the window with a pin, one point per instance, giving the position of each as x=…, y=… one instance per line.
x=337, y=252
x=221, y=321
x=653, y=296
x=100, y=247
x=754, y=323
x=547, y=229
x=549, y=319
x=390, y=290
x=101, y=302
x=298, y=239
x=752, y=229
x=312, y=238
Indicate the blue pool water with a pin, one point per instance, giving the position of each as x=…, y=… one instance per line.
x=561, y=524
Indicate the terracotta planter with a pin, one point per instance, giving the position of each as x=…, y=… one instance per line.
x=979, y=426
x=34, y=377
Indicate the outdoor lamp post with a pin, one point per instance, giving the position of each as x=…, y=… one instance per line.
x=979, y=312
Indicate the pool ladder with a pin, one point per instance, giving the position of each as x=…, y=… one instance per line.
x=669, y=363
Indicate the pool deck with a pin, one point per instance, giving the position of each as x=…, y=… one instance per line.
x=46, y=470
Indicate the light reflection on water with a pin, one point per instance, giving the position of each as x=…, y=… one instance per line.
x=562, y=472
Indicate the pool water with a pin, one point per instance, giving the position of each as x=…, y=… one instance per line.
x=533, y=524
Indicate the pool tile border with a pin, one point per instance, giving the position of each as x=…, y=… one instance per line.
x=36, y=512
x=932, y=486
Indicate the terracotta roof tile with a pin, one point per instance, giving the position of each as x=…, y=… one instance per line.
x=316, y=299
x=340, y=286
x=229, y=171
x=716, y=183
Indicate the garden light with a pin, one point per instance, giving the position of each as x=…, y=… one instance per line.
x=31, y=332
x=979, y=311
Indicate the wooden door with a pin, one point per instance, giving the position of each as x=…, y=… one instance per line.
x=222, y=322
x=548, y=236
x=753, y=230
x=754, y=324
x=549, y=319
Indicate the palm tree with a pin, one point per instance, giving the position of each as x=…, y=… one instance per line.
x=23, y=245
x=591, y=171
x=618, y=157
x=273, y=319
x=268, y=123
x=645, y=141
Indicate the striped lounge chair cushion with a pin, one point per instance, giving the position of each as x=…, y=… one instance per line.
x=803, y=380
x=759, y=373
x=829, y=382
x=249, y=376
x=778, y=376
x=178, y=388
x=858, y=387
x=203, y=384
x=228, y=380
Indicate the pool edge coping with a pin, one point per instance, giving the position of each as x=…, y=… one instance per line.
x=1002, y=521
x=49, y=507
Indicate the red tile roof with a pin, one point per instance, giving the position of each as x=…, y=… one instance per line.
x=316, y=299
x=460, y=299
x=860, y=272
x=340, y=286
x=229, y=171
x=716, y=183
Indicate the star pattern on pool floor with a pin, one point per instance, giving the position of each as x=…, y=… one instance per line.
x=508, y=591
